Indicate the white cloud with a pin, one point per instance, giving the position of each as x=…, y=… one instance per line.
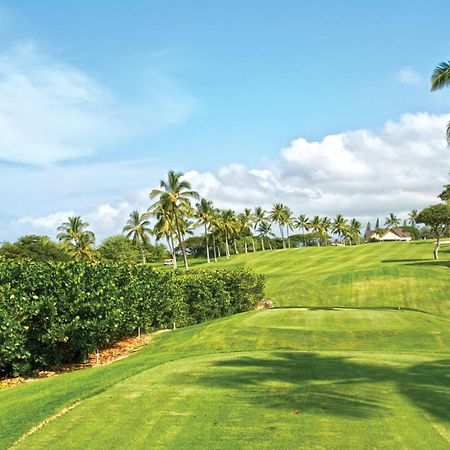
x=409, y=76
x=52, y=112
x=358, y=173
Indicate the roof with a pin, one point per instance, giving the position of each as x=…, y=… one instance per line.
x=369, y=234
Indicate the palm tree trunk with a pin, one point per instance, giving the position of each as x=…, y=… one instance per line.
x=253, y=244
x=207, y=244
x=282, y=235
x=142, y=252
x=288, y=241
x=214, y=246
x=180, y=241
x=245, y=244
x=227, y=250
x=262, y=244
x=172, y=250
x=270, y=244
x=235, y=247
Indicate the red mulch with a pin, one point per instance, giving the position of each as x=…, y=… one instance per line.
x=119, y=350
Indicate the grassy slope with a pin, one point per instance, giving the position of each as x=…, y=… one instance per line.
x=282, y=378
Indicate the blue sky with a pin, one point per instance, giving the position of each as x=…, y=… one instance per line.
x=121, y=92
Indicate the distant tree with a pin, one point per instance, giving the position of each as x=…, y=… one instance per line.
x=204, y=214
x=339, y=225
x=437, y=217
x=302, y=222
x=35, y=248
x=392, y=221
x=368, y=227
x=77, y=239
x=316, y=227
x=445, y=194
x=377, y=225
x=412, y=217
x=227, y=224
x=355, y=230
x=119, y=249
x=264, y=231
x=278, y=215
x=260, y=219
x=175, y=195
x=138, y=230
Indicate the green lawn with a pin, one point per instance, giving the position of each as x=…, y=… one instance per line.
x=336, y=365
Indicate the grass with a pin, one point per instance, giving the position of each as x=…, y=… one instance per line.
x=335, y=365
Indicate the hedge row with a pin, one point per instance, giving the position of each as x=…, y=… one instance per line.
x=52, y=313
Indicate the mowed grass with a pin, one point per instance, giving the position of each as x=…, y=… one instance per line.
x=341, y=369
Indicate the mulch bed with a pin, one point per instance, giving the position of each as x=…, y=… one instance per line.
x=119, y=350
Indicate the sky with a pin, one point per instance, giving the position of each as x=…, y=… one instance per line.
x=325, y=107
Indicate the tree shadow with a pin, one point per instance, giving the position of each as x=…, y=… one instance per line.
x=419, y=262
x=338, y=386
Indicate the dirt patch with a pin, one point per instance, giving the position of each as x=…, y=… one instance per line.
x=119, y=350
x=265, y=303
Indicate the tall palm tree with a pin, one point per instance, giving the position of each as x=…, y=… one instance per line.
x=439, y=80
x=164, y=228
x=392, y=221
x=264, y=230
x=247, y=220
x=260, y=218
x=339, y=225
x=303, y=223
x=138, y=230
x=316, y=227
x=227, y=224
x=278, y=215
x=412, y=216
x=288, y=222
x=355, y=230
x=204, y=214
x=175, y=193
x=325, y=228
x=78, y=240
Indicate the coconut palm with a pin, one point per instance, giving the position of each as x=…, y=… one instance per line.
x=303, y=223
x=339, y=225
x=288, y=222
x=260, y=218
x=165, y=228
x=138, y=230
x=247, y=221
x=278, y=215
x=204, y=214
x=325, y=228
x=227, y=224
x=316, y=227
x=175, y=193
x=264, y=230
x=355, y=230
x=412, y=216
x=392, y=221
x=439, y=80
x=78, y=241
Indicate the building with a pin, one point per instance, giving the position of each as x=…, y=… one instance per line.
x=388, y=234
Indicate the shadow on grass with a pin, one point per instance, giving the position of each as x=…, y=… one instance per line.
x=419, y=262
x=356, y=308
x=308, y=382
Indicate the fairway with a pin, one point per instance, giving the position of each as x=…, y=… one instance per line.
x=356, y=354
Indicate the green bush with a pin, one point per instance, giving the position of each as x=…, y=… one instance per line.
x=60, y=312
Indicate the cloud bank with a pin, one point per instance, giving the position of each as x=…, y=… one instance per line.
x=359, y=173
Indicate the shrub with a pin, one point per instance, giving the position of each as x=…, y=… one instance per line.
x=59, y=312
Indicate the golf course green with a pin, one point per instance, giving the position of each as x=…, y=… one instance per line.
x=355, y=354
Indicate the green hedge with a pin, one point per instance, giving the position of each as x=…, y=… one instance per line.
x=52, y=313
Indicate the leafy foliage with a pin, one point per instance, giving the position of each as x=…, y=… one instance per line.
x=54, y=312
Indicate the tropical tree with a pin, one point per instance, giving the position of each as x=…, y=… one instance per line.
x=138, y=231
x=165, y=228
x=247, y=219
x=260, y=219
x=204, y=214
x=355, y=230
x=303, y=223
x=412, y=216
x=439, y=80
x=264, y=231
x=392, y=221
x=325, y=228
x=445, y=194
x=437, y=217
x=316, y=227
x=175, y=194
x=288, y=222
x=227, y=224
x=77, y=239
x=278, y=215
x=339, y=225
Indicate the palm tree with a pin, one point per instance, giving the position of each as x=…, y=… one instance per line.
x=392, y=221
x=227, y=224
x=355, y=229
x=164, y=227
x=413, y=217
x=138, y=230
x=288, y=223
x=247, y=220
x=316, y=227
x=264, y=230
x=302, y=222
x=78, y=240
x=278, y=214
x=439, y=80
x=339, y=225
x=204, y=214
x=176, y=194
x=260, y=218
x=326, y=225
